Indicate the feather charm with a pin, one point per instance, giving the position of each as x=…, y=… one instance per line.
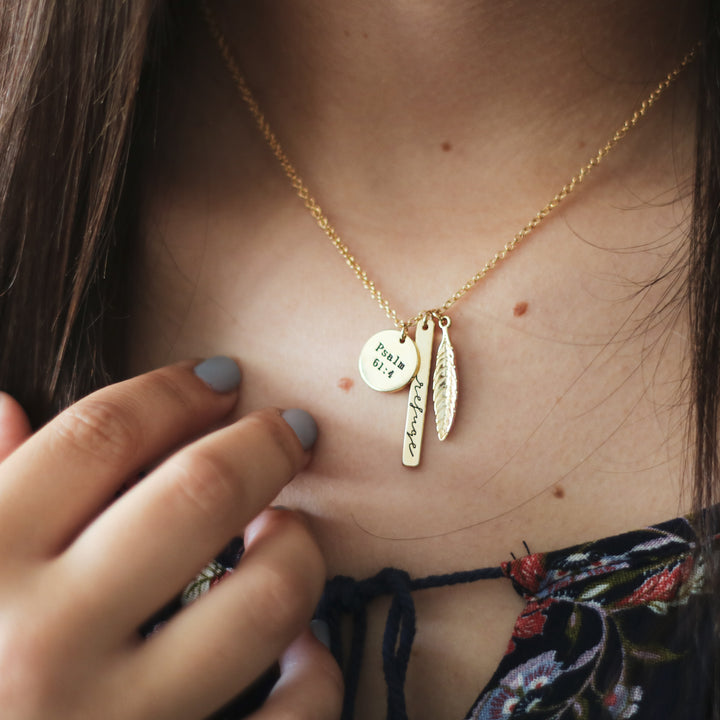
x=445, y=386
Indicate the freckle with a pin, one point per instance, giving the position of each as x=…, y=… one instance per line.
x=446, y=146
x=346, y=33
x=558, y=492
x=582, y=144
x=520, y=309
x=365, y=35
x=345, y=384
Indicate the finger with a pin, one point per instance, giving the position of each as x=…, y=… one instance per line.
x=14, y=425
x=74, y=465
x=184, y=513
x=219, y=645
x=310, y=686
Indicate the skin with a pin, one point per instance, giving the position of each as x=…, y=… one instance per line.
x=80, y=653
x=571, y=421
x=572, y=416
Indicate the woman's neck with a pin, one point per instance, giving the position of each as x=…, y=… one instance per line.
x=401, y=96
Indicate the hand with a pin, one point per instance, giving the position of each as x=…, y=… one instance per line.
x=78, y=575
x=14, y=425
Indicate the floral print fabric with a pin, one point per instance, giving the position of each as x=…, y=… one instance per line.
x=615, y=628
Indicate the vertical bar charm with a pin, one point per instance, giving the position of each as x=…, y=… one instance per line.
x=417, y=399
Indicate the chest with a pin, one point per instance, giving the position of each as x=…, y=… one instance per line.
x=568, y=424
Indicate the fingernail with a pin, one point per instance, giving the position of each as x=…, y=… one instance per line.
x=221, y=373
x=321, y=630
x=304, y=426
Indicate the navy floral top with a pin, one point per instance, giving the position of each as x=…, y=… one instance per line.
x=614, y=628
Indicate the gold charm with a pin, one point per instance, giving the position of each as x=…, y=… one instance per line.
x=445, y=387
x=389, y=360
x=417, y=399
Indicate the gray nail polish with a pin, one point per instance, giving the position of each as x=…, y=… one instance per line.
x=303, y=425
x=221, y=373
x=321, y=630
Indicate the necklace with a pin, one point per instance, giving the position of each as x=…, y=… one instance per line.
x=391, y=360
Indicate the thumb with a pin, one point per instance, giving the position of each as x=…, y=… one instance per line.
x=310, y=684
x=14, y=425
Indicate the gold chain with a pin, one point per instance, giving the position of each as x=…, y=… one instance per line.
x=322, y=220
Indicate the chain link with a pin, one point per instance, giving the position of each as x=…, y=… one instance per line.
x=322, y=220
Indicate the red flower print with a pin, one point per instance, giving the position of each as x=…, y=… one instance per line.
x=530, y=623
x=610, y=700
x=662, y=586
x=528, y=571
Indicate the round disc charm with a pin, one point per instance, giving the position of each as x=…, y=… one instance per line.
x=387, y=362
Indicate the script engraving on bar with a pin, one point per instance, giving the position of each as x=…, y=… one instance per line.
x=418, y=395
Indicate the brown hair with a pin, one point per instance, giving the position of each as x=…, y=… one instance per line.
x=704, y=269
x=703, y=291
x=64, y=142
